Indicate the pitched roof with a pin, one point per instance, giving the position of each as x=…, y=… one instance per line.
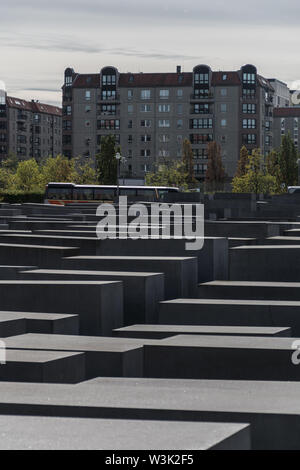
x=225, y=78
x=155, y=79
x=292, y=111
x=33, y=106
x=89, y=80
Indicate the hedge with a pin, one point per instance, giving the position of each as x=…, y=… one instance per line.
x=19, y=197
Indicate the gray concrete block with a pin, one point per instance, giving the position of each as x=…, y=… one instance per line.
x=51, y=323
x=43, y=366
x=251, y=290
x=271, y=408
x=110, y=357
x=252, y=229
x=49, y=433
x=279, y=263
x=12, y=325
x=33, y=255
x=142, y=291
x=221, y=357
x=166, y=331
x=87, y=245
x=224, y=312
x=180, y=272
x=98, y=304
x=12, y=272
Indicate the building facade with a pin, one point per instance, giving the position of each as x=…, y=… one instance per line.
x=151, y=114
x=287, y=121
x=29, y=128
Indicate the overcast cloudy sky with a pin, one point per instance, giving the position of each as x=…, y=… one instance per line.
x=40, y=38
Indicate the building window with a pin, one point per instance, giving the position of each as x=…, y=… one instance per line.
x=223, y=108
x=200, y=138
x=129, y=140
x=87, y=109
x=200, y=108
x=179, y=108
x=130, y=108
x=163, y=153
x=164, y=94
x=223, y=91
x=146, y=138
x=108, y=109
x=146, y=123
x=163, y=108
x=145, y=108
x=145, y=153
x=249, y=78
x=164, y=138
x=108, y=80
x=223, y=122
x=249, y=123
x=201, y=123
x=145, y=94
x=163, y=123
x=130, y=124
x=201, y=78
x=108, y=95
x=108, y=124
x=87, y=95
x=249, y=139
x=249, y=108
x=179, y=93
x=179, y=124
x=68, y=80
x=130, y=94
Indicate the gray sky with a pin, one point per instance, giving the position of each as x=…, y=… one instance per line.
x=40, y=38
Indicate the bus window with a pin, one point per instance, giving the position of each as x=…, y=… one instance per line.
x=84, y=194
x=59, y=193
x=149, y=193
x=127, y=192
x=162, y=193
x=104, y=194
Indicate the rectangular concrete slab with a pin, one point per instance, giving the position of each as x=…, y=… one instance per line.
x=34, y=255
x=221, y=357
x=254, y=290
x=54, y=323
x=99, y=304
x=142, y=291
x=46, y=433
x=180, y=272
x=233, y=312
x=42, y=366
x=166, y=331
x=271, y=408
x=104, y=356
x=278, y=263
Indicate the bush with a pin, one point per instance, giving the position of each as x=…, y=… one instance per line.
x=21, y=197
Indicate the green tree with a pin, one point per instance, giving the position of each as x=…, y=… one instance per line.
x=188, y=161
x=169, y=174
x=106, y=161
x=215, y=173
x=273, y=169
x=256, y=179
x=86, y=174
x=28, y=177
x=288, y=162
x=242, y=162
x=59, y=169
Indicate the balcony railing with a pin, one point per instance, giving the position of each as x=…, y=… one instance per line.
x=208, y=97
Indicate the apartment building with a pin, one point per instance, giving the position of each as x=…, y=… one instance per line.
x=29, y=128
x=287, y=120
x=151, y=114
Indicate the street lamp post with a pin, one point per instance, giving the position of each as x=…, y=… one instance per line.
x=120, y=160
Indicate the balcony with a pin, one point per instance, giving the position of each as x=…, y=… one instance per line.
x=109, y=99
x=22, y=117
x=208, y=98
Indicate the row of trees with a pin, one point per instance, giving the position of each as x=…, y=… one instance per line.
x=254, y=172
x=273, y=174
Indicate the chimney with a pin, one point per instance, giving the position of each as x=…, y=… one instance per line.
x=178, y=69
